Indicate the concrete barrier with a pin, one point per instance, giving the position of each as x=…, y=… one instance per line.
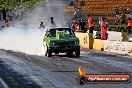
x=114, y=36
x=129, y=48
x=84, y=39
x=98, y=44
x=116, y=47
x=87, y=41
x=119, y=47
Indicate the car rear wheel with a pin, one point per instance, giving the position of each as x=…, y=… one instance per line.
x=77, y=53
x=48, y=52
x=69, y=54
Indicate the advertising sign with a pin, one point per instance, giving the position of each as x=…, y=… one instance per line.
x=116, y=47
x=130, y=48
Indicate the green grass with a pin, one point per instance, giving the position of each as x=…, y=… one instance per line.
x=12, y=4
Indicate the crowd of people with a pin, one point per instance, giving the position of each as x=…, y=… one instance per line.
x=81, y=25
x=7, y=16
x=12, y=15
x=88, y=25
x=75, y=3
x=122, y=15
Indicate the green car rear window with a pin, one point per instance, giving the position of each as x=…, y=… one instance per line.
x=52, y=32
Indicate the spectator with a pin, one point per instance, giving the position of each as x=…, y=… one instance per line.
x=103, y=19
x=82, y=25
x=125, y=10
x=10, y=15
x=7, y=24
x=82, y=3
x=71, y=3
x=2, y=24
x=117, y=20
x=130, y=16
x=128, y=10
x=4, y=14
x=74, y=26
x=90, y=24
x=129, y=25
x=41, y=25
x=116, y=11
x=78, y=13
x=123, y=18
x=120, y=10
x=52, y=24
x=104, y=27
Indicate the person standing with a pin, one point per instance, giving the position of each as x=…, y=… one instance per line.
x=104, y=27
x=82, y=3
x=41, y=26
x=123, y=18
x=2, y=24
x=82, y=25
x=74, y=26
x=90, y=24
x=7, y=24
x=52, y=23
x=4, y=14
x=129, y=25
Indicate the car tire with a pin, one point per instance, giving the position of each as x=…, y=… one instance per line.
x=77, y=53
x=45, y=46
x=48, y=52
x=69, y=54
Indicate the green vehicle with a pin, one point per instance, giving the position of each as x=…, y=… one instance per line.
x=61, y=40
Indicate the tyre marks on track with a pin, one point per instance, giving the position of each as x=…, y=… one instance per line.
x=14, y=79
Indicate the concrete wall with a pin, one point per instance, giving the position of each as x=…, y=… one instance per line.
x=87, y=41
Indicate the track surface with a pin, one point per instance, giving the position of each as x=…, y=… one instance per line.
x=19, y=70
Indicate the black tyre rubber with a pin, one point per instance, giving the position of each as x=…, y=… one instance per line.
x=69, y=54
x=77, y=53
x=48, y=52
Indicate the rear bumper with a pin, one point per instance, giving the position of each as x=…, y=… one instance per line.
x=64, y=48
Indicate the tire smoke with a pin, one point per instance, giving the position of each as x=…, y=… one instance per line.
x=19, y=40
x=25, y=36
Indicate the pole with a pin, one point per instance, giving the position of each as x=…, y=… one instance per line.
x=113, y=10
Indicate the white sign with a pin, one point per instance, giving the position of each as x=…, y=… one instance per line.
x=116, y=47
x=130, y=48
x=112, y=36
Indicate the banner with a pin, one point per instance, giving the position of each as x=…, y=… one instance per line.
x=116, y=47
x=130, y=48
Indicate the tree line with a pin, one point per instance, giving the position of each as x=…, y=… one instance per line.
x=17, y=9
x=13, y=4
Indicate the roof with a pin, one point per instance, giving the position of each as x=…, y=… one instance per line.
x=59, y=28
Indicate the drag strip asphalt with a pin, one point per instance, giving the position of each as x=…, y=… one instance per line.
x=60, y=71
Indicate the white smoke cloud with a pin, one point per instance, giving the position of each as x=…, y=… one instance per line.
x=25, y=36
x=29, y=42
